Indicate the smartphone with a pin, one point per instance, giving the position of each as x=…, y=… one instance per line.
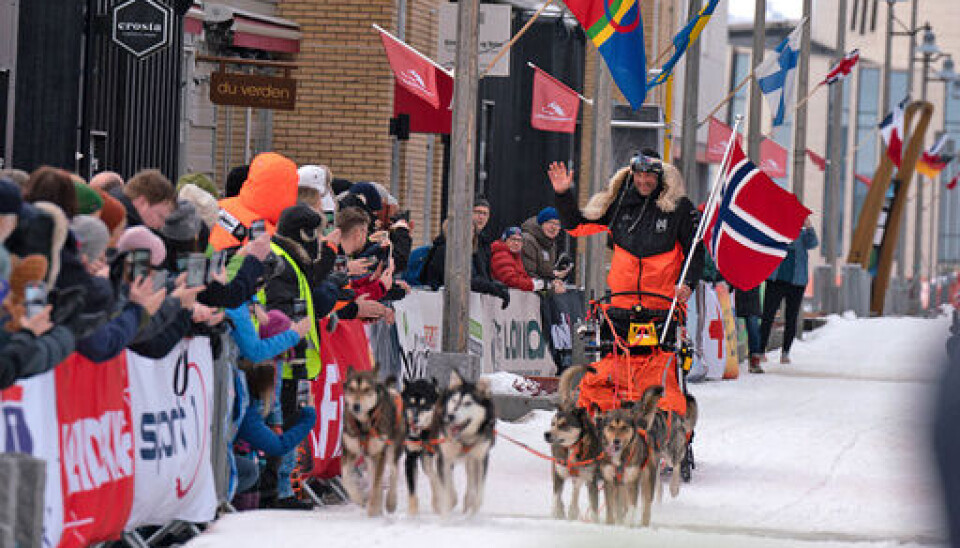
x=138, y=264
x=340, y=264
x=299, y=310
x=35, y=298
x=160, y=280
x=218, y=261
x=196, y=269
x=257, y=228
x=304, y=393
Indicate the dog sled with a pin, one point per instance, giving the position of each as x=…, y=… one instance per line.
x=633, y=349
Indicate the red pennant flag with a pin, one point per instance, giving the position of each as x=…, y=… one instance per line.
x=424, y=117
x=753, y=224
x=843, y=68
x=415, y=72
x=555, y=106
x=817, y=160
x=953, y=182
x=773, y=157
x=864, y=179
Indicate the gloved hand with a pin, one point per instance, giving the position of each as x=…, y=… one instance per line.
x=501, y=290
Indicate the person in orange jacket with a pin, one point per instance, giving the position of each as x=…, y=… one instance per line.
x=652, y=224
x=271, y=187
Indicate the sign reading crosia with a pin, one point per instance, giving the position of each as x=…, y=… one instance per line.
x=246, y=90
x=141, y=26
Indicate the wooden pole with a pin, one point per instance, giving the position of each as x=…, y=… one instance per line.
x=506, y=47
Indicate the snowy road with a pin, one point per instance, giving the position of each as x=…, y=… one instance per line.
x=829, y=451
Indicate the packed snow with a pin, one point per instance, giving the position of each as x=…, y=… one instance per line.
x=830, y=451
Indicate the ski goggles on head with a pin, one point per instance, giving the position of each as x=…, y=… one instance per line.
x=645, y=164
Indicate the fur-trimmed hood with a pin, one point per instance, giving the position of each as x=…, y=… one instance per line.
x=673, y=189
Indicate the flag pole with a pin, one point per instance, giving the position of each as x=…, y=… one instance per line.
x=582, y=98
x=705, y=222
x=726, y=99
x=506, y=47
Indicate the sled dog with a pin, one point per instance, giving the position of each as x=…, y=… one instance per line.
x=669, y=433
x=421, y=399
x=627, y=469
x=467, y=434
x=373, y=432
x=575, y=446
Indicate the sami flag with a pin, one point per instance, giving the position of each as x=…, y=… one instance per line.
x=687, y=35
x=616, y=29
x=754, y=221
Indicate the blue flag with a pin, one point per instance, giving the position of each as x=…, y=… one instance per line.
x=687, y=35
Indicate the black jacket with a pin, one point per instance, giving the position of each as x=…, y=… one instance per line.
x=480, y=279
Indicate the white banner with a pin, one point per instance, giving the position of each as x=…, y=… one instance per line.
x=713, y=341
x=172, y=407
x=29, y=425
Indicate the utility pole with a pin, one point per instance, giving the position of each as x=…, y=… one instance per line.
x=594, y=275
x=691, y=96
x=756, y=109
x=456, y=298
x=837, y=165
x=884, y=106
x=910, y=81
x=918, y=230
x=800, y=130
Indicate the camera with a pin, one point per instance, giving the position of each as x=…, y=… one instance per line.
x=257, y=228
x=563, y=262
x=35, y=298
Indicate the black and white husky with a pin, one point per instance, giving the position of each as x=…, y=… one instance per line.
x=421, y=401
x=467, y=435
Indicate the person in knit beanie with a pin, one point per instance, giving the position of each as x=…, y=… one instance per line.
x=201, y=181
x=539, y=251
x=204, y=203
x=88, y=201
x=113, y=215
x=140, y=237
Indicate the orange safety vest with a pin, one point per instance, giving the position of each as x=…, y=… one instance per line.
x=232, y=214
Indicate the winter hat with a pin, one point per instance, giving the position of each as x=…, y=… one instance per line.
x=385, y=196
x=88, y=201
x=297, y=218
x=235, y=180
x=314, y=177
x=183, y=224
x=112, y=213
x=511, y=231
x=480, y=201
x=140, y=237
x=339, y=186
x=201, y=181
x=277, y=323
x=204, y=203
x=547, y=214
x=11, y=199
x=369, y=194
x=91, y=234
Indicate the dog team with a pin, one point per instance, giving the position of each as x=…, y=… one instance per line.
x=620, y=450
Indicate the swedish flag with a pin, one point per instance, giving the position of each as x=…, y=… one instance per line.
x=616, y=28
x=687, y=35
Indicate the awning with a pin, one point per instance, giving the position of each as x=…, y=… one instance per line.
x=256, y=31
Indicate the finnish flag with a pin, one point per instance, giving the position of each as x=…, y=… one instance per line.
x=776, y=76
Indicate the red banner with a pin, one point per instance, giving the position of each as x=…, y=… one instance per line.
x=424, y=118
x=773, y=157
x=413, y=71
x=555, y=106
x=96, y=449
x=347, y=346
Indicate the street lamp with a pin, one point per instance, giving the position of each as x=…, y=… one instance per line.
x=950, y=78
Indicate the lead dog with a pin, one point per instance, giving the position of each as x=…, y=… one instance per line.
x=576, y=450
x=627, y=469
x=373, y=431
x=421, y=400
x=467, y=434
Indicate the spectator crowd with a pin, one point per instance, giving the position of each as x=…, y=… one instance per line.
x=111, y=265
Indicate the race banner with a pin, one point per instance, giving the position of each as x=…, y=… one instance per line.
x=172, y=405
x=29, y=425
x=419, y=317
x=345, y=347
x=512, y=339
x=96, y=448
x=712, y=336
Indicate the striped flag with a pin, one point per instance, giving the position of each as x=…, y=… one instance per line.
x=891, y=129
x=776, y=76
x=934, y=160
x=687, y=35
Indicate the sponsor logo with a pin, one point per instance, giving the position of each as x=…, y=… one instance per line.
x=661, y=226
x=18, y=438
x=520, y=340
x=331, y=408
x=412, y=79
x=553, y=112
x=96, y=450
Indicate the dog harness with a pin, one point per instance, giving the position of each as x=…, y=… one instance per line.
x=372, y=432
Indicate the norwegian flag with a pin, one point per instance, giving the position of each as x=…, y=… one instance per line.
x=891, y=129
x=843, y=68
x=753, y=223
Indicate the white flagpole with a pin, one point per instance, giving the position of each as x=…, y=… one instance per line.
x=705, y=222
x=414, y=50
x=582, y=98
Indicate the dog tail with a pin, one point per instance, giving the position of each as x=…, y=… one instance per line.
x=693, y=411
x=569, y=379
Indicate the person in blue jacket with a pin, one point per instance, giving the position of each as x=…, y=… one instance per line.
x=787, y=283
